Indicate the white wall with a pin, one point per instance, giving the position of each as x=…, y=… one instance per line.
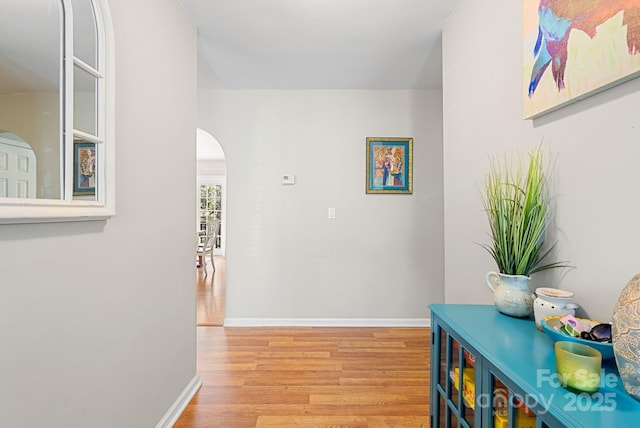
x=211, y=168
x=595, y=142
x=97, y=319
x=381, y=258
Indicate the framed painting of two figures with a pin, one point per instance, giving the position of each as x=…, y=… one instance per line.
x=389, y=165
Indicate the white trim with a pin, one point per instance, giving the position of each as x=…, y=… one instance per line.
x=107, y=126
x=174, y=412
x=88, y=137
x=86, y=67
x=66, y=103
x=327, y=322
x=53, y=213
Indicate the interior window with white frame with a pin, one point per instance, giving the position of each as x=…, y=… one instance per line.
x=56, y=112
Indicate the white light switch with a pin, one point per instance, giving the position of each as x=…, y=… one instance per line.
x=288, y=179
x=331, y=213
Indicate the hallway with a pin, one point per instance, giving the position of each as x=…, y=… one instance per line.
x=304, y=376
x=311, y=377
x=211, y=293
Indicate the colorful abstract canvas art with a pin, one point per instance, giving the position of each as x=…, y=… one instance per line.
x=575, y=48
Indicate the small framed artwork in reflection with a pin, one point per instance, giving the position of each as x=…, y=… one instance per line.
x=84, y=169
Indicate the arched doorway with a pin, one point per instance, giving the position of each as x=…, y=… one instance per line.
x=211, y=202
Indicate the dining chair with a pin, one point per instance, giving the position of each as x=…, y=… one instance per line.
x=206, y=244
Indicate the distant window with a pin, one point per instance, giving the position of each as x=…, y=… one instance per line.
x=211, y=206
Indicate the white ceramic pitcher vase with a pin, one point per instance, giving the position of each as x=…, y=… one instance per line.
x=511, y=294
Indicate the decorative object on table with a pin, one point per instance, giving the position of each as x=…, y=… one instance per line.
x=578, y=366
x=626, y=336
x=551, y=301
x=598, y=333
x=552, y=326
x=573, y=49
x=389, y=165
x=571, y=326
x=511, y=293
x=517, y=206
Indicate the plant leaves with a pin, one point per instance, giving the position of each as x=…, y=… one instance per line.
x=517, y=208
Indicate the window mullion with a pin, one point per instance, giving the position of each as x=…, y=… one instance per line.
x=88, y=137
x=86, y=67
x=66, y=106
x=101, y=112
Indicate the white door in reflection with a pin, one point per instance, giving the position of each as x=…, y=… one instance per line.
x=17, y=167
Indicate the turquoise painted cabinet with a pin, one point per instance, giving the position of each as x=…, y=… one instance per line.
x=492, y=370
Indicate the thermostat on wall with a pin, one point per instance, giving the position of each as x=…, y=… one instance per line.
x=288, y=179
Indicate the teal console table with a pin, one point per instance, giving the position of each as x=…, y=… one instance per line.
x=492, y=370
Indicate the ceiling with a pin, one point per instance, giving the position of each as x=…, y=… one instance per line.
x=322, y=44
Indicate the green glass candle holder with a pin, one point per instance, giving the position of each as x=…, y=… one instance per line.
x=578, y=366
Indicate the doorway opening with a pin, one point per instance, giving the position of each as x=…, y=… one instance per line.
x=211, y=203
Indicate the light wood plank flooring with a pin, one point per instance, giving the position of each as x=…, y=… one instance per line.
x=304, y=377
x=311, y=377
x=211, y=293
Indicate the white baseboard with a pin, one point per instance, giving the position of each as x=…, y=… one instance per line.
x=174, y=412
x=327, y=322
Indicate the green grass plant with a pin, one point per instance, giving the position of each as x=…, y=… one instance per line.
x=517, y=207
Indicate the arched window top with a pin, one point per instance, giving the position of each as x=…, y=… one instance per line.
x=58, y=96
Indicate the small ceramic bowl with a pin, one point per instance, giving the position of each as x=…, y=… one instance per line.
x=578, y=366
x=551, y=326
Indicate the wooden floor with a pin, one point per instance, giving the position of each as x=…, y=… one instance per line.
x=304, y=377
x=311, y=377
x=211, y=293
